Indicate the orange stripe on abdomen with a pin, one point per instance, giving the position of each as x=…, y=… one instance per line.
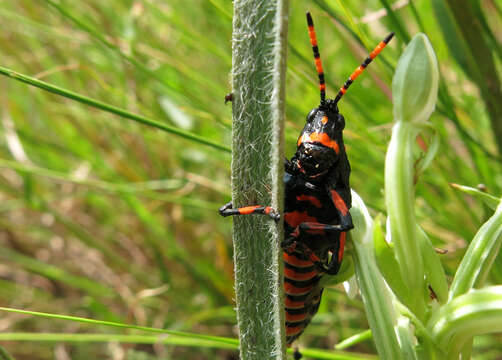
x=295, y=317
x=293, y=304
x=293, y=260
x=294, y=275
x=293, y=330
x=295, y=290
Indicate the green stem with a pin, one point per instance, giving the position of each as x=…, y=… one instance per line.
x=376, y=294
x=399, y=196
x=258, y=69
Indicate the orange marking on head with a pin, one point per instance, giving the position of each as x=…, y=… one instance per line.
x=248, y=209
x=291, y=274
x=311, y=199
x=291, y=289
x=324, y=120
x=342, y=245
x=293, y=260
x=339, y=203
x=295, y=218
x=322, y=138
x=295, y=317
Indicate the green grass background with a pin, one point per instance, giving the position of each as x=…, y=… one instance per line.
x=105, y=218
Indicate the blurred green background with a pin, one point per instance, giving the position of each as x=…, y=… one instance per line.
x=105, y=218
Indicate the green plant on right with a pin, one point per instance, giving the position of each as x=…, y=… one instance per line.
x=413, y=314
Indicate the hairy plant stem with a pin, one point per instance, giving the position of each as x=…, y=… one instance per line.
x=258, y=70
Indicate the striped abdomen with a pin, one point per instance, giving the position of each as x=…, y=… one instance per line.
x=302, y=293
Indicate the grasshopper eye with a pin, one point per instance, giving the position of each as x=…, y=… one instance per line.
x=340, y=122
x=311, y=115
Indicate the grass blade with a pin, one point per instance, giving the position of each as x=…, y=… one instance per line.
x=117, y=325
x=109, y=108
x=479, y=257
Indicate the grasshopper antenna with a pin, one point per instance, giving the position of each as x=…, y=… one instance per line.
x=317, y=58
x=363, y=66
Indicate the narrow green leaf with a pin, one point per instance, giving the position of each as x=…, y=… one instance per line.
x=478, y=259
x=481, y=62
x=109, y=108
x=475, y=313
x=353, y=26
x=118, y=325
x=434, y=272
x=93, y=33
x=354, y=339
x=320, y=354
x=451, y=33
x=377, y=298
x=432, y=150
x=406, y=338
x=491, y=201
x=325, y=7
x=416, y=15
x=120, y=338
x=4, y=355
x=400, y=29
x=388, y=265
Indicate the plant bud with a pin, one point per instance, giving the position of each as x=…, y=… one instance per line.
x=415, y=82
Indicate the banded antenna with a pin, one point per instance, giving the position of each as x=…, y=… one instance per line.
x=363, y=66
x=317, y=58
x=353, y=76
